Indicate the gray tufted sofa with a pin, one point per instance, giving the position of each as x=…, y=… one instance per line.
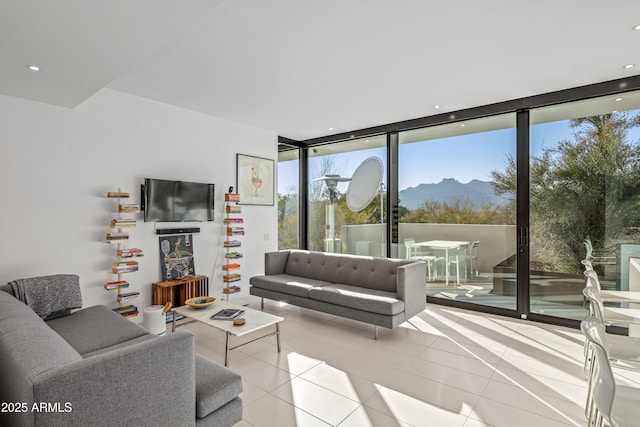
x=93, y=367
x=381, y=291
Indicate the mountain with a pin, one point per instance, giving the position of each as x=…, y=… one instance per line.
x=448, y=190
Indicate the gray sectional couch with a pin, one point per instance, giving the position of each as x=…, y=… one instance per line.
x=381, y=291
x=93, y=367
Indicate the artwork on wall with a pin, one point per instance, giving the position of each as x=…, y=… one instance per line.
x=176, y=256
x=255, y=180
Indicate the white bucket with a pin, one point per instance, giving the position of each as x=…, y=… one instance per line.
x=155, y=320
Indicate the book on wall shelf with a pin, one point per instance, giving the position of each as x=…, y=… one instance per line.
x=122, y=223
x=231, y=290
x=115, y=285
x=233, y=229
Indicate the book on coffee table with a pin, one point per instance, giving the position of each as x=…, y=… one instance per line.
x=227, y=314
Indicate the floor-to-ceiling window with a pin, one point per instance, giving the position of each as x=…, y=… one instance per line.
x=346, y=209
x=455, y=213
x=501, y=202
x=584, y=191
x=288, y=199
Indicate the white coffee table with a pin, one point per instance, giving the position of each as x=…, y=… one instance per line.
x=255, y=320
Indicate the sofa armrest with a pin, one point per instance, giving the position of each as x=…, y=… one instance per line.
x=275, y=262
x=412, y=288
x=151, y=382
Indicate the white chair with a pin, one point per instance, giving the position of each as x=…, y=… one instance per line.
x=606, y=400
x=473, y=255
x=457, y=257
x=414, y=252
x=607, y=295
x=597, y=258
x=609, y=315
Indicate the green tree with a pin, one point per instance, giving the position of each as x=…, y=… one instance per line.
x=457, y=212
x=585, y=188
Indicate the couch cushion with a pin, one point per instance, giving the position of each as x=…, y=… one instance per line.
x=287, y=284
x=354, y=270
x=370, y=300
x=215, y=386
x=120, y=345
x=79, y=329
x=28, y=347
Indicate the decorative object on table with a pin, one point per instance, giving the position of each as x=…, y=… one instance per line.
x=176, y=256
x=125, y=263
x=228, y=314
x=239, y=321
x=200, y=302
x=234, y=228
x=255, y=180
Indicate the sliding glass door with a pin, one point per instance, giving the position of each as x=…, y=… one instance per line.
x=584, y=200
x=458, y=208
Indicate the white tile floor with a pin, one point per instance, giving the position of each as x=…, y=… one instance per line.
x=446, y=367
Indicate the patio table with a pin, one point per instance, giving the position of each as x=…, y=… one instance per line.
x=443, y=245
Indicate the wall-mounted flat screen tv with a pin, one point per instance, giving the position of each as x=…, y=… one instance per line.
x=177, y=201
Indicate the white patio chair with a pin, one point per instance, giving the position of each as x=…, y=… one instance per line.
x=416, y=253
x=606, y=400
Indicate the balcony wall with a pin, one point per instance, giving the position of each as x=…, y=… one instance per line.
x=497, y=242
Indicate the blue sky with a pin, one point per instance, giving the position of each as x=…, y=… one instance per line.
x=463, y=157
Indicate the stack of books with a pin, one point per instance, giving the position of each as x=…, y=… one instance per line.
x=233, y=209
x=129, y=208
x=129, y=253
x=124, y=267
x=118, y=284
x=231, y=290
x=117, y=237
x=233, y=255
x=231, y=231
x=232, y=266
x=128, y=296
x=123, y=223
x=232, y=244
x=127, y=311
x=228, y=278
x=170, y=315
x=232, y=197
x=233, y=220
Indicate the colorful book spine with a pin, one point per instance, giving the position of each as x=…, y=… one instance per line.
x=119, y=284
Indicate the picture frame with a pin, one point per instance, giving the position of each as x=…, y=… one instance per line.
x=255, y=181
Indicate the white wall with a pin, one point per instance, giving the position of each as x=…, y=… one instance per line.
x=57, y=165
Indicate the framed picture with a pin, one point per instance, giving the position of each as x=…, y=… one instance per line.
x=255, y=180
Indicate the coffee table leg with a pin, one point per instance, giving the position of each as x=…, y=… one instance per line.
x=226, y=351
x=278, y=337
x=173, y=322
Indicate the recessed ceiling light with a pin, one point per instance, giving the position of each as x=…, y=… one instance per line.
x=636, y=28
x=33, y=68
x=436, y=106
x=330, y=128
x=462, y=125
x=626, y=67
x=614, y=111
x=618, y=99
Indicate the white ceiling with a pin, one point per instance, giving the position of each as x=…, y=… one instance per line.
x=300, y=67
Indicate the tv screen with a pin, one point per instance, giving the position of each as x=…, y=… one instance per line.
x=177, y=201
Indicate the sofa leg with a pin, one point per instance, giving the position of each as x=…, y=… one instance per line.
x=261, y=303
x=376, y=333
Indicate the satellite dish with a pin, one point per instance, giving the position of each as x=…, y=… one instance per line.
x=364, y=184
